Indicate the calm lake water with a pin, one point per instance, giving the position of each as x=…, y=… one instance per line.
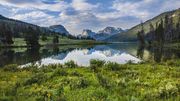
x=119, y=52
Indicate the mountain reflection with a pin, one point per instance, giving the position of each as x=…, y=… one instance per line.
x=120, y=53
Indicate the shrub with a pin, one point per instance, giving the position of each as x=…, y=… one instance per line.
x=32, y=68
x=75, y=73
x=78, y=83
x=41, y=98
x=168, y=90
x=37, y=78
x=59, y=72
x=70, y=64
x=104, y=82
x=4, y=98
x=95, y=64
x=11, y=68
x=130, y=62
x=100, y=94
x=113, y=66
x=172, y=63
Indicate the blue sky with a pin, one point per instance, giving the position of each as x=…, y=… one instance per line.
x=77, y=15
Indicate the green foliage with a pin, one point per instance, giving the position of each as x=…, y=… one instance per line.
x=78, y=83
x=59, y=72
x=70, y=64
x=11, y=68
x=113, y=66
x=56, y=39
x=141, y=82
x=173, y=63
x=95, y=64
x=37, y=78
x=131, y=34
x=100, y=94
x=44, y=38
x=104, y=82
x=75, y=73
x=32, y=37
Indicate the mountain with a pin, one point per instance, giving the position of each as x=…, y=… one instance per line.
x=87, y=34
x=59, y=29
x=111, y=30
x=102, y=34
x=108, y=32
x=3, y=18
x=131, y=34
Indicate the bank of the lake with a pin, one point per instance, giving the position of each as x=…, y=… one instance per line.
x=98, y=82
x=19, y=42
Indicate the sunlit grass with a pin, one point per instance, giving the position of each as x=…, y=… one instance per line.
x=99, y=82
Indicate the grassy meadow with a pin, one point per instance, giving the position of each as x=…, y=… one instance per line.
x=20, y=42
x=99, y=82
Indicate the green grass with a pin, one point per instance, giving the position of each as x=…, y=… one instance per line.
x=99, y=82
x=19, y=42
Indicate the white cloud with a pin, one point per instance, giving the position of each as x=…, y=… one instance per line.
x=83, y=14
x=131, y=8
x=37, y=4
x=170, y=4
x=82, y=5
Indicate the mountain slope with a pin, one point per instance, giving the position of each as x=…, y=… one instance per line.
x=59, y=29
x=130, y=35
x=19, y=26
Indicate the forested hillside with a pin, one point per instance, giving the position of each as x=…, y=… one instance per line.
x=131, y=34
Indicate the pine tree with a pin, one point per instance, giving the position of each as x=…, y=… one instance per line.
x=9, y=36
x=159, y=33
x=178, y=29
x=56, y=39
x=43, y=37
x=141, y=35
x=150, y=36
x=31, y=37
x=6, y=34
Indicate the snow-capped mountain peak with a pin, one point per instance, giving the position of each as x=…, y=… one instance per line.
x=111, y=30
x=87, y=33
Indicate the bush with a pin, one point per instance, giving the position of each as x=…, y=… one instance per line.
x=172, y=63
x=78, y=83
x=104, y=82
x=75, y=73
x=113, y=66
x=11, y=68
x=37, y=78
x=130, y=62
x=32, y=68
x=40, y=99
x=4, y=98
x=70, y=64
x=95, y=64
x=100, y=94
x=60, y=72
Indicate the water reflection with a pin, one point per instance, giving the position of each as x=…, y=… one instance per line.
x=120, y=53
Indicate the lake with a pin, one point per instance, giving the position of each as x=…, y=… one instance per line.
x=117, y=52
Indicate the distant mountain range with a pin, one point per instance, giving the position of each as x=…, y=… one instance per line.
x=102, y=34
x=131, y=34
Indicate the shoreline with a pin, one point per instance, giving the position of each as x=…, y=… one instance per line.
x=63, y=44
